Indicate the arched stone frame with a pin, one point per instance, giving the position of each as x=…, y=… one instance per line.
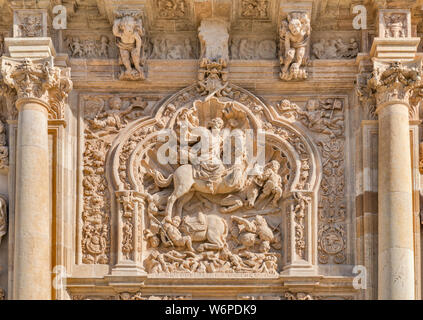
x=300, y=231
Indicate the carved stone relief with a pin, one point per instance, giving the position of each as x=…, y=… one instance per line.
x=244, y=48
x=335, y=49
x=140, y=296
x=298, y=296
x=294, y=35
x=394, y=24
x=2, y=294
x=30, y=23
x=1, y=44
x=169, y=47
x=255, y=9
x=104, y=117
x=171, y=9
x=129, y=32
x=325, y=117
x=3, y=217
x=207, y=218
x=88, y=48
x=4, y=149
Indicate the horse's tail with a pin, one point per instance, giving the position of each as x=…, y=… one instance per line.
x=159, y=180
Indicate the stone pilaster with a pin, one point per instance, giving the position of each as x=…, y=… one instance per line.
x=40, y=89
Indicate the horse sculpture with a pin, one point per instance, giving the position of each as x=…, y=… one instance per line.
x=185, y=184
x=211, y=228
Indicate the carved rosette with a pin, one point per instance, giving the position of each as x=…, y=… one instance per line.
x=37, y=79
x=396, y=83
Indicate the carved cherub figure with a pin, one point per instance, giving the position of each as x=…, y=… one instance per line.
x=272, y=183
x=90, y=48
x=129, y=32
x=104, y=47
x=76, y=47
x=188, y=49
x=294, y=37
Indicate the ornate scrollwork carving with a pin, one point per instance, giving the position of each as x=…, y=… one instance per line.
x=395, y=81
x=104, y=117
x=36, y=78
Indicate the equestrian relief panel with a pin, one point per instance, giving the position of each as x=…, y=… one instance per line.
x=213, y=185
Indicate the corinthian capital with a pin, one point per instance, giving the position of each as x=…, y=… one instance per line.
x=395, y=82
x=37, y=78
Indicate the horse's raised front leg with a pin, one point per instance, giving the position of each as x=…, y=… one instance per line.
x=182, y=183
x=182, y=201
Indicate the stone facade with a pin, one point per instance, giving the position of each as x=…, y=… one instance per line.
x=174, y=150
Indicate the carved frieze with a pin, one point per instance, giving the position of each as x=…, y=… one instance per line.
x=255, y=9
x=335, y=49
x=244, y=48
x=298, y=296
x=89, y=48
x=294, y=37
x=129, y=32
x=169, y=47
x=171, y=9
x=140, y=296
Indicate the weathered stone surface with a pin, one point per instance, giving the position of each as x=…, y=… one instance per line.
x=181, y=149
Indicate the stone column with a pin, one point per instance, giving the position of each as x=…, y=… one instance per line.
x=36, y=85
x=393, y=83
